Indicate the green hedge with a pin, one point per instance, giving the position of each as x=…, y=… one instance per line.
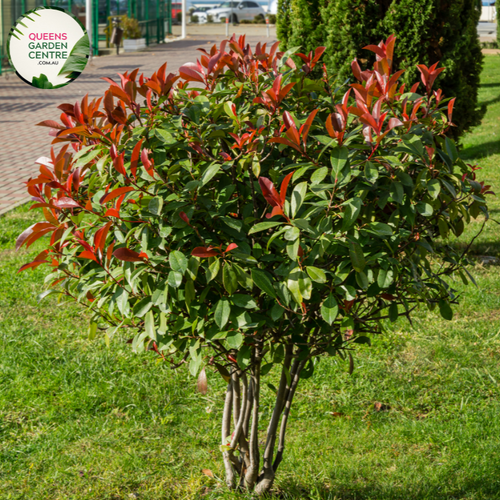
x=427, y=31
x=497, y=5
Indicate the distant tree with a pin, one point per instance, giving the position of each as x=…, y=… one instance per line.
x=428, y=31
x=497, y=6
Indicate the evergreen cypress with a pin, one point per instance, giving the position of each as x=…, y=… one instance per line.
x=427, y=31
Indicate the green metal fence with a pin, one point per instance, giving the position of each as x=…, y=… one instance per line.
x=154, y=16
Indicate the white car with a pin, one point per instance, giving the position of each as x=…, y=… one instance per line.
x=273, y=8
x=488, y=11
x=201, y=14
x=236, y=11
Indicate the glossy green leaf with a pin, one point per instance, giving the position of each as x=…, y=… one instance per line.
x=174, y=279
x=356, y=255
x=229, y=278
x=213, y=270
x=178, y=262
x=351, y=212
x=262, y=280
x=434, y=188
x=393, y=312
x=385, y=278
x=222, y=311
x=155, y=205
x=143, y=306
x=245, y=301
x=445, y=310
x=330, y=309
x=371, y=172
x=234, y=340
x=338, y=159
x=298, y=197
x=362, y=280
x=262, y=226
x=316, y=274
x=319, y=175
x=149, y=325
x=209, y=173
x=425, y=209
x=380, y=229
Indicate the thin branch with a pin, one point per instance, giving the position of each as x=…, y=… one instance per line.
x=253, y=469
x=244, y=401
x=226, y=431
x=286, y=413
x=236, y=395
x=266, y=478
x=280, y=398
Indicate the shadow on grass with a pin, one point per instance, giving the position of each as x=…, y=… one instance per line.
x=449, y=485
x=489, y=85
x=477, y=488
x=482, y=248
x=482, y=150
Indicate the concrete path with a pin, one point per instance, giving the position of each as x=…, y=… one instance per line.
x=23, y=106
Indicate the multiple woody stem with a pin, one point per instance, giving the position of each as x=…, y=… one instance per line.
x=242, y=407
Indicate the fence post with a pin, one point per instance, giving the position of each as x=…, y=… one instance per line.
x=169, y=6
x=158, y=21
x=147, y=21
x=95, y=26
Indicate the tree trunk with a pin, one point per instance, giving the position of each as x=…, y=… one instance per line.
x=242, y=408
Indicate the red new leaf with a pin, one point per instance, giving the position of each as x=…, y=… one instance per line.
x=30, y=231
x=65, y=202
x=184, y=217
x=269, y=192
x=307, y=126
x=274, y=211
x=115, y=194
x=188, y=74
x=87, y=254
x=24, y=236
x=112, y=212
x=35, y=263
x=135, y=157
x=100, y=237
x=204, y=252
x=127, y=255
x=284, y=187
x=230, y=247
x=450, y=109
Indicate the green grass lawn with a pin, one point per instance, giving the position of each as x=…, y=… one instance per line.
x=79, y=420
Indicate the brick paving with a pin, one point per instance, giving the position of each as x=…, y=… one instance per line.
x=23, y=106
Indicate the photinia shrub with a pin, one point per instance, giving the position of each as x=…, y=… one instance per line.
x=240, y=215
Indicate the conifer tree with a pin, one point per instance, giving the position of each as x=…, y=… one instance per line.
x=428, y=31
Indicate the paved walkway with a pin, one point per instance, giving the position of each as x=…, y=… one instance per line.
x=23, y=106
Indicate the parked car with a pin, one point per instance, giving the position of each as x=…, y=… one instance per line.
x=201, y=14
x=488, y=11
x=236, y=11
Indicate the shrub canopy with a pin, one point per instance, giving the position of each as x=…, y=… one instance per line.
x=429, y=31
x=241, y=214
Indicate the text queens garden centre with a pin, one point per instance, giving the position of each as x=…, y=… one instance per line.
x=48, y=46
